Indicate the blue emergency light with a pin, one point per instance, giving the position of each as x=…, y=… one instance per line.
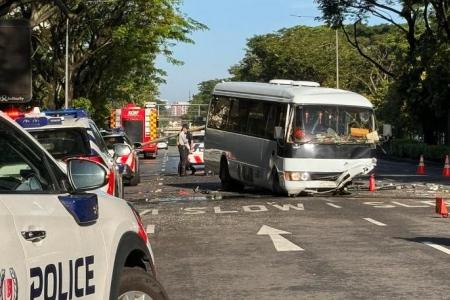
x=35, y=122
x=70, y=112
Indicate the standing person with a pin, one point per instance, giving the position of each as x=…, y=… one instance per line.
x=183, y=148
x=191, y=147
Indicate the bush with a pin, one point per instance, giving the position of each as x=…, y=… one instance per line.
x=413, y=150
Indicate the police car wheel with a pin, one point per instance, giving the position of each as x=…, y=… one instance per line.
x=136, y=283
x=136, y=179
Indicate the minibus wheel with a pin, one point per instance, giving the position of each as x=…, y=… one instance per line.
x=276, y=188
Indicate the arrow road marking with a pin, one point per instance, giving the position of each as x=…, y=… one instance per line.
x=281, y=243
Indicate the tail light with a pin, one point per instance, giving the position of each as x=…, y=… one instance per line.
x=141, y=231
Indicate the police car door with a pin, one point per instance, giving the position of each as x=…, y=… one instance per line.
x=12, y=257
x=64, y=260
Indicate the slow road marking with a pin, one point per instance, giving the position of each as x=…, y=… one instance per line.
x=281, y=243
x=437, y=247
x=374, y=222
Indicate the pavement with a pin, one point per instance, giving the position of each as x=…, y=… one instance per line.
x=212, y=244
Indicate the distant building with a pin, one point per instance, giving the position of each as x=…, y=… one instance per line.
x=178, y=109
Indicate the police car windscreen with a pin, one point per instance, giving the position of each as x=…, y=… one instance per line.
x=111, y=140
x=134, y=130
x=63, y=143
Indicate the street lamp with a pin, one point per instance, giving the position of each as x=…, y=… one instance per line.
x=337, y=48
x=66, y=91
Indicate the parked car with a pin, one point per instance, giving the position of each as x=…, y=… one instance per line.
x=71, y=134
x=196, y=156
x=126, y=155
x=163, y=145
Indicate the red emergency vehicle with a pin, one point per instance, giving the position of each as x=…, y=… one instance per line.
x=140, y=124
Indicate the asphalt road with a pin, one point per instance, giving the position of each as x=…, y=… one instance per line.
x=383, y=245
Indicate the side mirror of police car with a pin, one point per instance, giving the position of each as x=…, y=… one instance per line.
x=278, y=133
x=121, y=150
x=86, y=175
x=137, y=145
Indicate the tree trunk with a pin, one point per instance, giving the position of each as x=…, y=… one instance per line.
x=447, y=131
x=429, y=135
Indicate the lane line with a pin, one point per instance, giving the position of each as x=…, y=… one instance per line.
x=163, y=170
x=160, y=183
x=158, y=191
x=374, y=222
x=333, y=205
x=437, y=247
x=150, y=229
x=144, y=212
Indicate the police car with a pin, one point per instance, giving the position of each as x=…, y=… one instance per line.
x=195, y=157
x=70, y=133
x=121, y=148
x=58, y=240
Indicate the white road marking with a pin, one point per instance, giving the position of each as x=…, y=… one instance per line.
x=333, y=205
x=407, y=205
x=163, y=170
x=144, y=212
x=374, y=222
x=254, y=208
x=160, y=183
x=437, y=247
x=158, y=191
x=429, y=202
x=150, y=229
x=280, y=243
x=218, y=210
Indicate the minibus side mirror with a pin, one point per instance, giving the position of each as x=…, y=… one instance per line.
x=278, y=133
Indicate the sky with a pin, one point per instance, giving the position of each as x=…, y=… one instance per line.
x=231, y=23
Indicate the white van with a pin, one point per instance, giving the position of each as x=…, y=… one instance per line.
x=289, y=136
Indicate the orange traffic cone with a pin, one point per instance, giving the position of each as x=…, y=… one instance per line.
x=372, y=183
x=446, y=170
x=441, y=207
x=421, y=166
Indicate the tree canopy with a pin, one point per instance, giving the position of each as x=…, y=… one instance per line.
x=112, y=51
x=418, y=98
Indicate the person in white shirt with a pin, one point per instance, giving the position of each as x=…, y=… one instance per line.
x=183, y=148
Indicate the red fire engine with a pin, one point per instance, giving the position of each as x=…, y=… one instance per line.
x=140, y=124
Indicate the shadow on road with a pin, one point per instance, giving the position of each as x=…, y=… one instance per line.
x=425, y=239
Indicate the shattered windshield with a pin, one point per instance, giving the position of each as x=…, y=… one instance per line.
x=325, y=124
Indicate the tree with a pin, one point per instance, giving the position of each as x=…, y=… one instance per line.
x=113, y=46
x=199, y=103
x=420, y=90
x=308, y=53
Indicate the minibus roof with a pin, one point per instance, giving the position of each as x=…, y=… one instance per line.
x=291, y=94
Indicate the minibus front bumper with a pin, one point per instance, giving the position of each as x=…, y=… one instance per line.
x=321, y=176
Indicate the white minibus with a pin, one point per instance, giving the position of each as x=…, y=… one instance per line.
x=292, y=137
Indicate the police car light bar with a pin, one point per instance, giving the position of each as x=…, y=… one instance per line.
x=75, y=113
x=35, y=122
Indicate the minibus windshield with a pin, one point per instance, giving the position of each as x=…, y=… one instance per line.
x=327, y=124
